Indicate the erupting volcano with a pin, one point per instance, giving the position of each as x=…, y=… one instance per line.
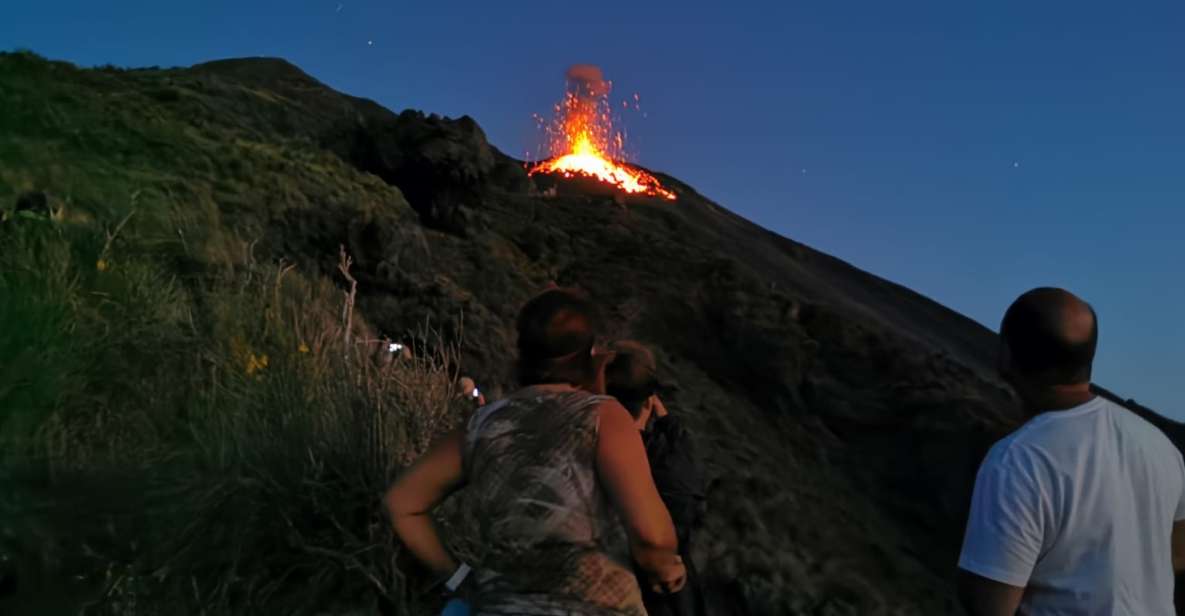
x=583, y=141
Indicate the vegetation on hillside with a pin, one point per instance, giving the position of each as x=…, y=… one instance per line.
x=186, y=428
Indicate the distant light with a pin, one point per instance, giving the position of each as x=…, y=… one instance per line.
x=394, y=347
x=371, y=43
x=1015, y=164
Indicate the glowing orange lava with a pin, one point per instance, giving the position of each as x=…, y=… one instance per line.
x=583, y=142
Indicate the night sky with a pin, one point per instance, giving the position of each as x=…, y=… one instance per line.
x=969, y=153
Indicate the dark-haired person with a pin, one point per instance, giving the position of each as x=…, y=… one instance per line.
x=556, y=469
x=1080, y=510
x=678, y=472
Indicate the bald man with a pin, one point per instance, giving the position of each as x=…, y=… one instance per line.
x=1079, y=511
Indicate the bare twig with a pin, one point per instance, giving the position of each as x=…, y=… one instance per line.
x=350, y=562
x=272, y=312
x=111, y=235
x=343, y=266
x=184, y=244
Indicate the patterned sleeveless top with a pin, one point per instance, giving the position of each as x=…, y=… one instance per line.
x=549, y=542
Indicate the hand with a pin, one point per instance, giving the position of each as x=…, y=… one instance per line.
x=601, y=361
x=670, y=579
x=660, y=410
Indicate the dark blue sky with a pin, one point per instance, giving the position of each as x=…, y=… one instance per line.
x=968, y=152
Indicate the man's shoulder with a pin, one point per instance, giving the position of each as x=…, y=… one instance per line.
x=1007, y=450
x=1131, y=420
x=1031, y=447
x=1150, y=436
x=1050, y=437
x=1055, y=427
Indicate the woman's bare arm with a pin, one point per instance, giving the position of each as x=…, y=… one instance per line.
x=416, y=492
x=625, y=474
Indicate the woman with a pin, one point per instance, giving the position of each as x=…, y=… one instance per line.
x=558, y=470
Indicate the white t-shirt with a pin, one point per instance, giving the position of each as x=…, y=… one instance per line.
x=1078, y=506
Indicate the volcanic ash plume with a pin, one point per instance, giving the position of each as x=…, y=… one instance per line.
x=583, y=141
x=586, y=80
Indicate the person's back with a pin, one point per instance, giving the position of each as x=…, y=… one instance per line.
x=1079, y=512
x=1109, y=487
x=678, y=473
x=559, y=481
x=549, y=540
x=679, y=477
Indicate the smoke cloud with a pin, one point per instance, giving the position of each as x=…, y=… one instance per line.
x=587, y=81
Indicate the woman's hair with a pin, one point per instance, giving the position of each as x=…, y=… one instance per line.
x=556, y=333
x=631, y=376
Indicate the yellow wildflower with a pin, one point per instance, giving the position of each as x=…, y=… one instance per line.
x=102, y=265
x=303, y=348
x=256, y=363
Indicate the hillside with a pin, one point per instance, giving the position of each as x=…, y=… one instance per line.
x=842, y=416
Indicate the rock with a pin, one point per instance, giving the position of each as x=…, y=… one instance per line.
x=443, y=167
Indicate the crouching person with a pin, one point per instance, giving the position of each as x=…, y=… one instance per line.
x=677, y=471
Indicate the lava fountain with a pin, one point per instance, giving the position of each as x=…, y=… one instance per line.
x=583, y=141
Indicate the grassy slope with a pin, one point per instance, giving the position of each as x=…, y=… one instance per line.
x=183, y=422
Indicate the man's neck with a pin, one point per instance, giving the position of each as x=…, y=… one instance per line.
x=1060, y=398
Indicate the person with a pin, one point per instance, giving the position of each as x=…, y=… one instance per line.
x=1080, y=510
x=469, y=391
x=557, y=475
x=678, y=473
